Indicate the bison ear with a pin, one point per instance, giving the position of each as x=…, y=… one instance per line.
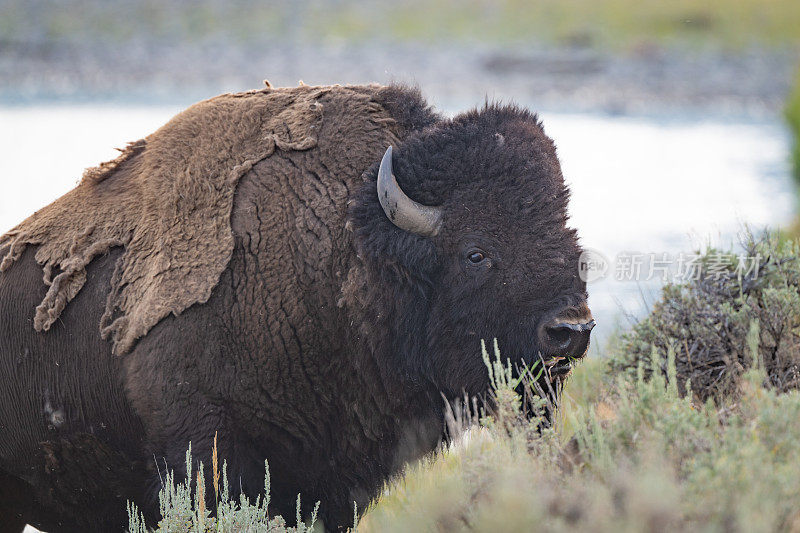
x=404, y=212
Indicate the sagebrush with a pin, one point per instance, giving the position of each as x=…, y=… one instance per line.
x=187, y=507
x=644, y=457
x=706, y=321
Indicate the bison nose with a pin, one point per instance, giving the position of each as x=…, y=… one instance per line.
x=567, y=339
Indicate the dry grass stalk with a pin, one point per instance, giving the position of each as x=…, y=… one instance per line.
x=215, y=469
x=201, y=496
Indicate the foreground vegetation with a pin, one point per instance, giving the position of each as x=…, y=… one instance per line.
x=644, y=458
x=185, y=506
x=643, y=440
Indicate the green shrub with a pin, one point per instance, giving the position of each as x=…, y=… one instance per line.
x=185, y=510
x=793, y=119
x=708, y=323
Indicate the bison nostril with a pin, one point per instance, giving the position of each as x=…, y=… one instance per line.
x=567, y=339
x=559, y=336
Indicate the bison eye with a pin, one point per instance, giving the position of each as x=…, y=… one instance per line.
x=476, y=256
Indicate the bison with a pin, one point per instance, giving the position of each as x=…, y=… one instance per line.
x=304, y=272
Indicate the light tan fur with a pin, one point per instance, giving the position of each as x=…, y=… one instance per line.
x=167, y=200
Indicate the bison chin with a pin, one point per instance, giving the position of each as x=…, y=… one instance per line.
x=540, y=388
x=537, y=384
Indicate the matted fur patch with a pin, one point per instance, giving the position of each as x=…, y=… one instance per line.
x=167, y=200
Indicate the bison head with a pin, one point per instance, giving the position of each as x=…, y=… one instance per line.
x=467, y=239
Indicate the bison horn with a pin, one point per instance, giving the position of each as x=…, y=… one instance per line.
x=404, y=212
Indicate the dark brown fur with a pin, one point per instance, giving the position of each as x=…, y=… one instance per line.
x=325, y=341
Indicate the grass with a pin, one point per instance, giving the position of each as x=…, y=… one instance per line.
x=640, y=450
x=606, y=23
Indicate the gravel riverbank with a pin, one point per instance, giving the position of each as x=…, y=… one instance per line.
x=646, y=80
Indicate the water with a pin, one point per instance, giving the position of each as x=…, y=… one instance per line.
x=640, y=185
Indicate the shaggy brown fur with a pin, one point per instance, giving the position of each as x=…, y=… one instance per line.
x=322, y=337
x=238, y=202
x=167, y=200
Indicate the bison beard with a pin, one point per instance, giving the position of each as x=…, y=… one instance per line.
x=250, y=284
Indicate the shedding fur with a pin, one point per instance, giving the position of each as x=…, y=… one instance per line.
x=329, y=337
x=167, y=201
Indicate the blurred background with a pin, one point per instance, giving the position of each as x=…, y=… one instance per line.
x=674, y=120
